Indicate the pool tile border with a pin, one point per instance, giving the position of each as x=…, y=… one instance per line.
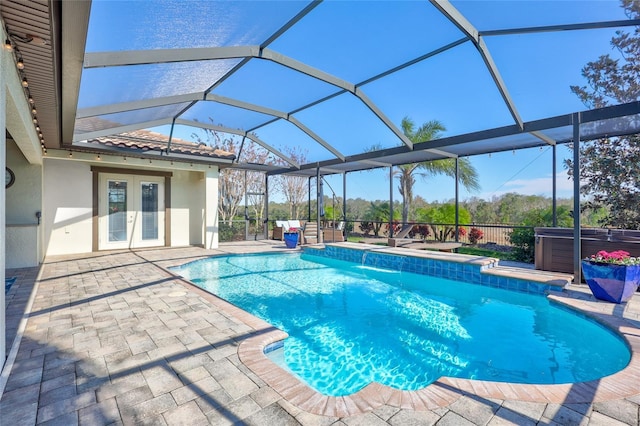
x=476, y=270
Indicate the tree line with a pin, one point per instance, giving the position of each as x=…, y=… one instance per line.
x=506, y=209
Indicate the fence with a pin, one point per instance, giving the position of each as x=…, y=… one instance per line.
x=474, y=233
x=240, y=230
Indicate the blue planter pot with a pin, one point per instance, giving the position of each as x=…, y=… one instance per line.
x=613, y=283
x=291, y=239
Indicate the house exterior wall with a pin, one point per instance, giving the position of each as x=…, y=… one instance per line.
x=67, y=210
x=23, y=200
x=68, y=204
x=211, y=209
x=187, y=207
x=4, y=58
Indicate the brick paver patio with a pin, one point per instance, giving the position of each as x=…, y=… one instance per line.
x=114, y=338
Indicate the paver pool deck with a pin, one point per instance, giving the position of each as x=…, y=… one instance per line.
x=115, y=338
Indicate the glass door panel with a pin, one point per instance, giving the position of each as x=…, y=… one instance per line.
x=149, y=205
x=117, y=211
x=131, y=211
x=149, y=193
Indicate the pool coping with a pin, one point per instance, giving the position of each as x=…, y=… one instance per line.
x=443, y=391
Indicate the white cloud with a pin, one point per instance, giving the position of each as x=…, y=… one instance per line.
x=535, y=186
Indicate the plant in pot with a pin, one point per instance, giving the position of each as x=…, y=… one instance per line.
x=612, y=276
x=291, y=237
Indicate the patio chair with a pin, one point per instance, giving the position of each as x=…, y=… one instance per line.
x=279, y=229
x=283, y=226
x=401, y=237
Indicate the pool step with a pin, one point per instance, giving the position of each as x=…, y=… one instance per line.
x=556, y=279
x=310, y=233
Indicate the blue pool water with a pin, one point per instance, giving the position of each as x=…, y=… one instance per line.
x=350, y=325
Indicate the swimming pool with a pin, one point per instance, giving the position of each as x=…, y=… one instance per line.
x=350, y=325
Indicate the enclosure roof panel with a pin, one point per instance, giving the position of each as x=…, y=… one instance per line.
x=334, y=78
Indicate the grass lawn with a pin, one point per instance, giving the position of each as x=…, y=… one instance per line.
x=477, y=251
x=357, y=239
x=485, y=252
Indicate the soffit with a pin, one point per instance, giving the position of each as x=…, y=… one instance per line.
x=30, y=25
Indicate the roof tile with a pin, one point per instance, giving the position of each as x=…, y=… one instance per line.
x=144, y=140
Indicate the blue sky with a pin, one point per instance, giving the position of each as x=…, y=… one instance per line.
x=354, y=41
x=525, y=172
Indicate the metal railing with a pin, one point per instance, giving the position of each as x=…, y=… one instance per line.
x=242, y=230
x=474, y=233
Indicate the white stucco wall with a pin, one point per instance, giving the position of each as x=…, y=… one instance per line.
x=211, y=209
x=23, y=200
x=187, y=208
x=67, y=215
x=24, y=197
x=4, y=58
x=23, y=246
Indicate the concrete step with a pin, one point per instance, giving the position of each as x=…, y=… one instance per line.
x=558, y=279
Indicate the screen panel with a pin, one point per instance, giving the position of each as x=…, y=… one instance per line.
x=274, y=86
x=175, y=24
x=366, y=38
x=109, y=121
x=225, y=115
x=454, y=88
x=103, y=86
x=491, y=15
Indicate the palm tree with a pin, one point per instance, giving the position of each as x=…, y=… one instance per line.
x=407, y=172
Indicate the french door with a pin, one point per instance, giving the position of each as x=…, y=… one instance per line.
x=131, y=211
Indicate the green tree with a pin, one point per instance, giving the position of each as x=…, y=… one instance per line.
x=234, y=183
x=294, y=188
x=378, y=213
x=333, y=209
x=609, y=167
x=407, y=173
x=482, y=211
x=512, y=207
x=442, y=219
x=356, y=208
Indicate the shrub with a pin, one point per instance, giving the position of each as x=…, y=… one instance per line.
x=226, y=232
x=422, y=230
x=348, y=227
x=475, y=235
x=462, y=232
x=366, y=227
x=524, y=242
x=396, y=227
